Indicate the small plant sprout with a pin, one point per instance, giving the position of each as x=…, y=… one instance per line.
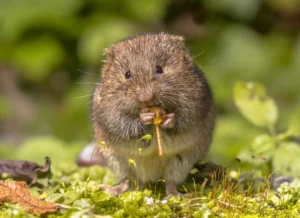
x=102, y=144
x=132, y=162
x=146, y=137
x=160, y=180
x=140, y=150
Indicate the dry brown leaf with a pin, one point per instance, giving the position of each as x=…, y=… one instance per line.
x=156, y=122
x=18, y=192
x=25, y=171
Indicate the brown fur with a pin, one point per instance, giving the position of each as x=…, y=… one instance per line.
x=182, y=89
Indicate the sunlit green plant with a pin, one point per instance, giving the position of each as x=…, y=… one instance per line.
x=278, y=151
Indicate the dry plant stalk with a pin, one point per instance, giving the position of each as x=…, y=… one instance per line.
x=18, y=192
x=157, y=121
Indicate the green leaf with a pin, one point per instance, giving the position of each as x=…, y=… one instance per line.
x=286, y=159
x=102, y=199
x=294, y=124
x=246, y=155
x=292, y=131
x=70, y=196
x=254, y=103
x=36, y=58
x=84, y=203
x=100, y=36
x=263, y=145
x=54, y=197
x=131, y=197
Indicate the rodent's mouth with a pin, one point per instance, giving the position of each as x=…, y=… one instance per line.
x=152, y=103
x=148, y=104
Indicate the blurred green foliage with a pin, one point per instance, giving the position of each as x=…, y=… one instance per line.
x=255, y=104
x=54, y=49
x=267, y=149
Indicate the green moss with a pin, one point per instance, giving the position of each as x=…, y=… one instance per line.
x=78, y=189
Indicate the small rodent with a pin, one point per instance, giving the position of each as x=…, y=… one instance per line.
x=141, y=72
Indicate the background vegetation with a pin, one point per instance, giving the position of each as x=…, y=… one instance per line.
x=52, y=51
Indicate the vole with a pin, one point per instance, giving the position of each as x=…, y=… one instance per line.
x=141, y=72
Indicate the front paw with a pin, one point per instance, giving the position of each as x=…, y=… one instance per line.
x=146, y=116
x=117, y=189
x=171, y=191
x=168, y=121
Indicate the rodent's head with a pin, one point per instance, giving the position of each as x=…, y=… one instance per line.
x=148, y=70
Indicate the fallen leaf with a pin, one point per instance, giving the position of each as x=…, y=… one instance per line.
x=18, y=192
x=25, y=170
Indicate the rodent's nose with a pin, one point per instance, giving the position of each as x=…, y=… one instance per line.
x=145, y=97
x=145, y=94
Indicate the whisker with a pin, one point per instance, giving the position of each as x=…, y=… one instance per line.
x=91, y=102
x=199, y=54
x=160, y=102
x=85, y=72
x=94, y=113
x=83, y=96
x=86, y=83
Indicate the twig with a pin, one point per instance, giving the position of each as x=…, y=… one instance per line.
x=160, y=152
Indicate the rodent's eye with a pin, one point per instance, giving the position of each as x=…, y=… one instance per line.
x=128, y=75
x=159, y=70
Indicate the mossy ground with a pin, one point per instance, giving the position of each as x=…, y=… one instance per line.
x=77, y=189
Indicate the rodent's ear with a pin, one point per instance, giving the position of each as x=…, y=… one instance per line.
x=178, y=38
x=109, y=53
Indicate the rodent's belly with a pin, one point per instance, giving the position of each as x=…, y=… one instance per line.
x=149, y=166
x=170, y=147
x=150, y=169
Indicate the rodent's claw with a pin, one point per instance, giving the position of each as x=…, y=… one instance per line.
x=171, y=190
x=117, y=189
x=146, y=116
x=168, y=121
